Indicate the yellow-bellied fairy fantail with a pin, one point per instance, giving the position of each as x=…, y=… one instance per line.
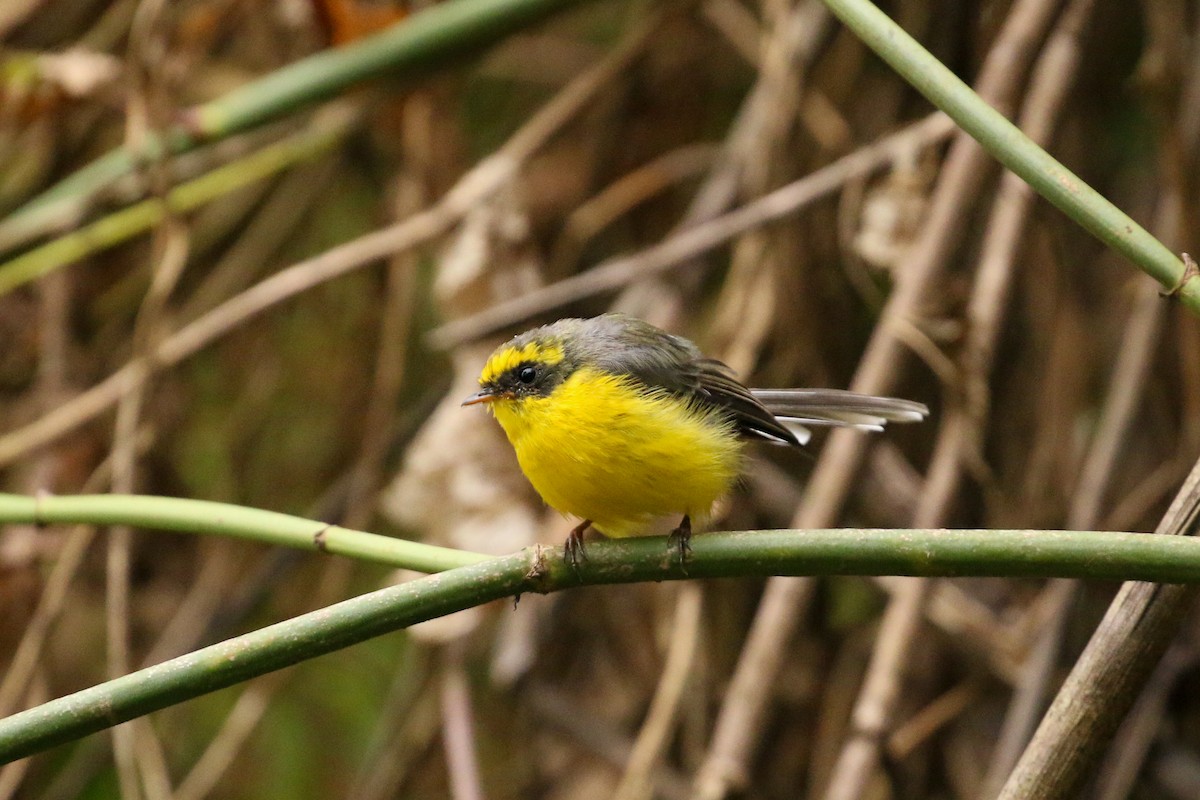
x=618, y=422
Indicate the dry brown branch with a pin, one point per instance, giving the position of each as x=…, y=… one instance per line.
x=413, y=725
x=1106, y=680
x=1029, y=694
x=1067, y=394
x=141, y=767
x=735, y=736
x=737, y=24
x=53, y=325
x=921, y=726
x=760, y=155
x=1127, y=386
x=1143, y=725
x=618, y=198
x=958, y=439
x=270, y=228
x=962, y=176
x=412, y=232
x=563, y=715
x=25, y=658
x=422, y=228
x=874, y=711
x=205, y=774
x=637, y=781
x=615, y=273
x=458, y=727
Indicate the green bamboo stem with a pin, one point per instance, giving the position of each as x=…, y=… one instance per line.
x=123, y=225
x=430, y=39
x=222, y=519
x=929, y=553
x=411, y=49
x=1015, y=150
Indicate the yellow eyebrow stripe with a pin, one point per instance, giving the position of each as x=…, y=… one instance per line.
x=504, y=360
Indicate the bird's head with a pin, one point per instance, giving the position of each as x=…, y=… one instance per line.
x=530, y=366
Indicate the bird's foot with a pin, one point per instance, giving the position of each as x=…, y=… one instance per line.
x=680, y=540
x=575, y=550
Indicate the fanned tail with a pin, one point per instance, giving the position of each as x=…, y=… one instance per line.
x=796, y=408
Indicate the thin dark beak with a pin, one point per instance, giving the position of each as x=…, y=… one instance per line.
x=479, y=397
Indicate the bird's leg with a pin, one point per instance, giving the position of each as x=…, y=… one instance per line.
x=681, y=539
x=575, y=551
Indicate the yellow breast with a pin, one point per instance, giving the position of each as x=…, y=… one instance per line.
x=599, y=449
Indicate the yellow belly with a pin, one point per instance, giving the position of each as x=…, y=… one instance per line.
x=598, y=449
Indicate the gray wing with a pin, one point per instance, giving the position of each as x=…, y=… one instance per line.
x=660, y=360
x=673, y=364
x=717, y=387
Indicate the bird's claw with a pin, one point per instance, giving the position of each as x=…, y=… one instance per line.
x=680, y=540
x=574, y=549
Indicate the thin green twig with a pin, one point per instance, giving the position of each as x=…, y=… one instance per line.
x=408, y=50
x=222, y=519
x=120, y=226
x=1015, y=150
x=1098, y=555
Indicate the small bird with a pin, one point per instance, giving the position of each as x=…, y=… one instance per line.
x=618, y=422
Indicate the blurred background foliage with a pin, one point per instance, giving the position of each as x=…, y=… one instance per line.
x=335, y=404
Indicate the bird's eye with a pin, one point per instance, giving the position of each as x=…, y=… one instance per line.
x=527, y=375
